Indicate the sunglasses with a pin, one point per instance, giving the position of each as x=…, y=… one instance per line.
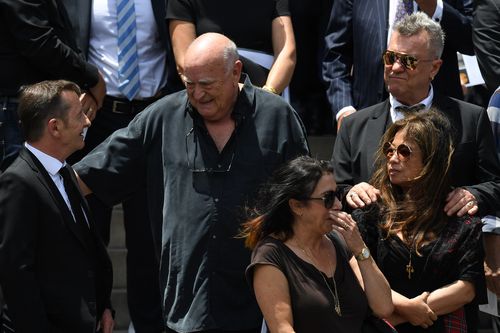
x=408, y=61
x=402, y=150
x=329, y=198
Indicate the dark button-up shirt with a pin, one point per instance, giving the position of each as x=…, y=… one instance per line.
x=199, y=193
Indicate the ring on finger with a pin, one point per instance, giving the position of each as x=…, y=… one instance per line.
x=352, y=194
x=470, y=203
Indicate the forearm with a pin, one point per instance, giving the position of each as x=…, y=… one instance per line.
x=182, y=33
x=281, y=72
x=492, y=262
x=491, y=250
x=451, y=297
x=412, y=310
x=37, y=41
x=377, y=289
x=400, y=303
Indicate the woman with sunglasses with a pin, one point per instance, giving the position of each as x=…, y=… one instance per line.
x=433, y=262
x=303, y=271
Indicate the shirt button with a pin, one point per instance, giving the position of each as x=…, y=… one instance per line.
x=219, y=166
x=214, y=236
x=216, y=199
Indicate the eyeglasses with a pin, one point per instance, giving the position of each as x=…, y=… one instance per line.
x=408, y=61
x=329, y=198
x=402, y=150
x=193, y=168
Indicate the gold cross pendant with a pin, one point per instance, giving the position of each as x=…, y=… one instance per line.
x=409, y=270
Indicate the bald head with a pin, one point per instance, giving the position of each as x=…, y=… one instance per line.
x=211, y=49
x=211, y=73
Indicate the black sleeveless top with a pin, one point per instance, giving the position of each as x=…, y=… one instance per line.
x=312, y=301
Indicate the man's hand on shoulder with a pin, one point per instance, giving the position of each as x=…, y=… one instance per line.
x=460, y=202
x=362, y=194
x=344, y=112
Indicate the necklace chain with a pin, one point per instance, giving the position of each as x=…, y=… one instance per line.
x=333, y=292
x=409, y=266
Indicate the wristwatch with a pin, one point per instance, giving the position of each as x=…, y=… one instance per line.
x=364, y=254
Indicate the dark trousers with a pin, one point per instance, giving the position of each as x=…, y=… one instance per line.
x=10, y=131
x=143, y=290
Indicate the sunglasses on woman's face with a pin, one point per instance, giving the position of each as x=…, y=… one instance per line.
x=408, y=61
x=329, y=198
x=402, y=150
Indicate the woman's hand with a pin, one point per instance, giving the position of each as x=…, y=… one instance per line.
x=347, y=227
x=416, y=311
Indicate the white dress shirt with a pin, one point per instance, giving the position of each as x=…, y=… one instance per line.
x=396, y=115
x=53, y=165
x=103, y=47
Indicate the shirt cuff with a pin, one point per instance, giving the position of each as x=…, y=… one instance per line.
x=491, y=224
x=438, y=13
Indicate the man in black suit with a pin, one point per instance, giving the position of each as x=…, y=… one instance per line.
x=95, y=25
x=357, y=35
x=55, y=271
x=412, y=60
x=36, y=44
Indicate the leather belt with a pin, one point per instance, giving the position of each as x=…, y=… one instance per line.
x=124, y=106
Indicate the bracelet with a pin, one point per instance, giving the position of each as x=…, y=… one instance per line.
x=270, y=89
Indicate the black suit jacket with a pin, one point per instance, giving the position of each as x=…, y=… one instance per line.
x=486, y=37
x=36, y=44
x=53, y=278
x=475, y=164
x=80, y=13
x=356, y=37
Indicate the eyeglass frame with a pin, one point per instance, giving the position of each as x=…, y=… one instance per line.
x=328, y=198
x=204, y=170
x=403, y=60
x=389, y=149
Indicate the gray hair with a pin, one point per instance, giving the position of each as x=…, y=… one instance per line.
x=230, y=55
x=415, y=23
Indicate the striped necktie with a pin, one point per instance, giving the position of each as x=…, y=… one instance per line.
x=128, y=60
x=405, y=7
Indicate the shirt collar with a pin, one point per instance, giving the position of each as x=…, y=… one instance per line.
x=396, y=115
x=51, y=164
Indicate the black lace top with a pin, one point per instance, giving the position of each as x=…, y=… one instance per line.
x=457, y=254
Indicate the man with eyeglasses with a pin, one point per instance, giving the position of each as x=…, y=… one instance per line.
x=201, y=154
x=411, y=61
x=359, y=31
